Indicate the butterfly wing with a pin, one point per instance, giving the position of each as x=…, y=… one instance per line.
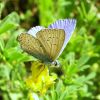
x=68, y=25
x=52, y=40
x=32, y=46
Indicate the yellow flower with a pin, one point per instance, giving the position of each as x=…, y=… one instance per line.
x=40, y=80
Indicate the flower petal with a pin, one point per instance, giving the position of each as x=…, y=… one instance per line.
x=42, y=80
x=34, y=30
x=68, y=25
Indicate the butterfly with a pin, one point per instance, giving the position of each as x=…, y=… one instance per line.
x=47, y=44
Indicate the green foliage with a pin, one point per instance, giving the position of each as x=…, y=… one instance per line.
x=12, y=70
x=8, y=23
x=80, y=60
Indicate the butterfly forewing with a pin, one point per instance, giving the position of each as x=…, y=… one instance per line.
x=52, y=40
x=32, y=45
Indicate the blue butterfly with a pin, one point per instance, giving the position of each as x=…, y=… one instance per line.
x=47, y=44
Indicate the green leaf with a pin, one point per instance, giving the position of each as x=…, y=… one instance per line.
x=2, y=44
x=2, y=5
x=63, y=95
x=83, y=60
x=12, y=41
x=91, y=75
x=82, y=68
x=71, y=70
x=4, y=72
x=10, y=22
x=15, y=54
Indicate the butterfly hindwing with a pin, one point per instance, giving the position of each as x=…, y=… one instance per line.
x=32, y=46
x=52, y=40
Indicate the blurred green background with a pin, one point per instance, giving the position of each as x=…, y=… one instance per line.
x=80, y=60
